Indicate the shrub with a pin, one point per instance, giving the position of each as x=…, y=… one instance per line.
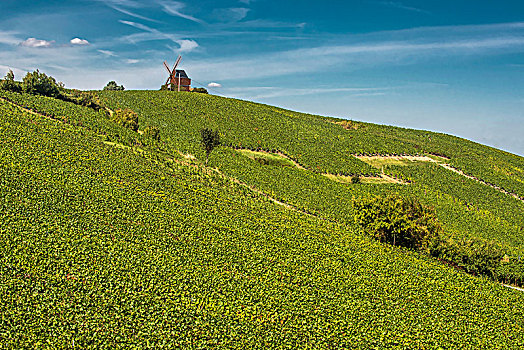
x=474, y=255
x=9, y=83
x=200, y=90
x=397, y=220
x=37, y=83
x=152, y=132
x=127, y=118
x=210, y=139
x=113, y=86
x=355, y=179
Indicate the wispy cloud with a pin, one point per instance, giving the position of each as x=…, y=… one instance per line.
x=233, y=14
x=132, y=14
x=174, y=8
x=33, y=42
x=401, y=6
x=267, y=92
x=9, y=37
x=185, y=45
x=108, y=53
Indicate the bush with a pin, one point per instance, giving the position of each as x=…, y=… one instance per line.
x=37, y=83
x=127, y=118
x=474, y=255
x=200, y=90
x=9, y=83
x=152, y=132
x=355, y=179
x=398, y=221
x=113, y=86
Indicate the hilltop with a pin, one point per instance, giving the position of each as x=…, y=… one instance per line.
x=112, y=237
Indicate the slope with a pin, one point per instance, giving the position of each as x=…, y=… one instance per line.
x=128, y=247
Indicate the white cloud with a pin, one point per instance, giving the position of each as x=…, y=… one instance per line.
x=78, y=41
x=132, y=61
x=214, y=85
x=33, y=42
x=173, y=8
x=187, y=45
x=107, y=53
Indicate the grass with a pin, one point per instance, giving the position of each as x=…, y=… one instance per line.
x=267, y=158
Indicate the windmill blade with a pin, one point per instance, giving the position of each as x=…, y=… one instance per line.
x=176, y=63
x=167, y=67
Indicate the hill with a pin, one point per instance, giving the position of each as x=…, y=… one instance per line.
x=111, y=238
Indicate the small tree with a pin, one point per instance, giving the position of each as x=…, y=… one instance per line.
x=113, y=86
x=398, y=221
x=210, y=140
x=9, y=83
x=37, y=83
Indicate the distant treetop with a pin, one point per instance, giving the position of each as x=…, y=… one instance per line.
x=112, y=85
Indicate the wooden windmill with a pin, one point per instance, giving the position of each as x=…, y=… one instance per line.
x=177, y=79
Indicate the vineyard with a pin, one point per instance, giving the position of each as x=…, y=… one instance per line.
x=110, y=238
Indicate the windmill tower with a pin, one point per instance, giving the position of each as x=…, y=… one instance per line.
x=177, y=79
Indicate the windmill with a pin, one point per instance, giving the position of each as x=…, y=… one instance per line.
x=177, y=78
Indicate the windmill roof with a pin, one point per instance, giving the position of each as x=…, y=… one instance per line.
x=181, y=73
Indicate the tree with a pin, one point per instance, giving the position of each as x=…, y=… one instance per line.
x=127, y=118
x=397, y=220
x=9, y=83
x=37, y=83
x=210, y=140
x=113, y=86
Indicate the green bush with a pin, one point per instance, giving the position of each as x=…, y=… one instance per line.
x=152, y=132
x=37, y=83
x=474, y=255
x=9, y=83
x=397, y=220
x=127, y=118
x=200, y=90
x=355, y=179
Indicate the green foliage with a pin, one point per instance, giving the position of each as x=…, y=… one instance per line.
x=200, y=90
x=106, y=247
x=209, y=140
x=113, y=86
x=164, y=87
x=37, y=83
x=152, y=132
x=397, y=220
x=355, y=179
x=127, y=118
x=9, y=83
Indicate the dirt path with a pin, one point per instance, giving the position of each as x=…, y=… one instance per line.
x=513, y=287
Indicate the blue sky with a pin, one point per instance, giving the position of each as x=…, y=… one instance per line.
x=450, y=66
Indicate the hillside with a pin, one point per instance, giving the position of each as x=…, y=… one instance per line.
x=109, y=238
